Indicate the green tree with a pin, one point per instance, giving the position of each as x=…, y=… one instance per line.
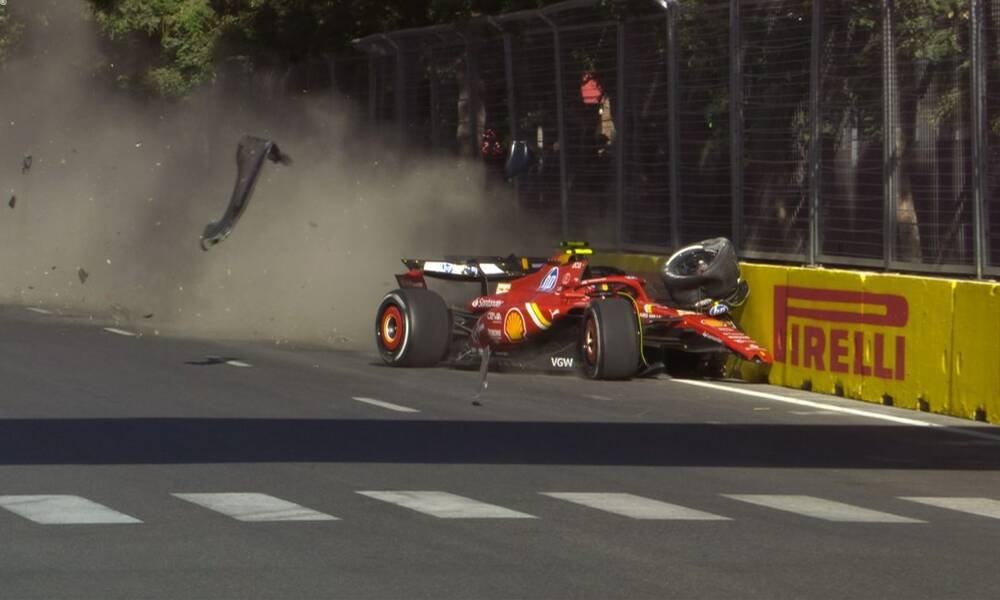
x=168, y=47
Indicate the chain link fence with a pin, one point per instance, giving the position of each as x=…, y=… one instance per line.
x=861, y=133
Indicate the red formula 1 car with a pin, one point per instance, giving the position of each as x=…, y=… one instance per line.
x=563, y=314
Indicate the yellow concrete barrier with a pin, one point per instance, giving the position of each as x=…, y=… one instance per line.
x=923, y=343
x=756, y=317
x=917, y=352
x=975, y=359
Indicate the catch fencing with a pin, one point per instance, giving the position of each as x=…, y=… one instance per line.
x=863, y=133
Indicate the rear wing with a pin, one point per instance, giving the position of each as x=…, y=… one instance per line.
x=468, y=269
x=476, y=268
x=484, y=269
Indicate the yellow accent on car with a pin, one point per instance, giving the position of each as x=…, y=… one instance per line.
x=642, y=349
x=545, y=323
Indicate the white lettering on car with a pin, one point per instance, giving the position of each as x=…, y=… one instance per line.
x=487, y=303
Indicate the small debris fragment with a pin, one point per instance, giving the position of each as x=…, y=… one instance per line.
x=148, y=316
x=219, y=360
x=13, y=201
x=313, y=224
x=26, y=164
x=83, y=274
x=121, y=332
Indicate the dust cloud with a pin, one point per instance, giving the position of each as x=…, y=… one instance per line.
x=106, y=221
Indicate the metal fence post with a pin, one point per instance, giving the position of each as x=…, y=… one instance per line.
x=561, y=125
x=435, y=99
x=472, y=82
x=815, y=143
x=890, y=121
x=372, y=90
x=979, y=149
x=508, y=65
x=399, y=92
x=736, y=119
x=673, y=122
x=508, y=55
x=618, y=114
x=401, y=115
x=331, y=65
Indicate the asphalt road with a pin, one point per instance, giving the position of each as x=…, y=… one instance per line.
x=152, y=467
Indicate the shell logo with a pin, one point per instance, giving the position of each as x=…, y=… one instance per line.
x=713, y=323
x=513, y=325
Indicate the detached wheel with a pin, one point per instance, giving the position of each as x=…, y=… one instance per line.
x=412, y=328
x=610, y=340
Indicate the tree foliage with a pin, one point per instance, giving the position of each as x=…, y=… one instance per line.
x=168, y=47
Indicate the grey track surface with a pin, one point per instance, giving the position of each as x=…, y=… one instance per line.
x=128, y=421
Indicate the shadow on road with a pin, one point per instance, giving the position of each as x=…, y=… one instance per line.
x=181, y=440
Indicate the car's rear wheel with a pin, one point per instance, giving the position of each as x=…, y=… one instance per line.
x=412, y=328
x=609, y=340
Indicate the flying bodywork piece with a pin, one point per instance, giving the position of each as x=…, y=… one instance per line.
x=250, y=155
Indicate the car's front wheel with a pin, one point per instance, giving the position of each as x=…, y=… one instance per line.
x=609, y=339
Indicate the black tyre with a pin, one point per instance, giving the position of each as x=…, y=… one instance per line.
x=412, y=328
x=609, y=340
x=706, y=270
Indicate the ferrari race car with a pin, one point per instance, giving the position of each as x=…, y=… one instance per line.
x=564, y=314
